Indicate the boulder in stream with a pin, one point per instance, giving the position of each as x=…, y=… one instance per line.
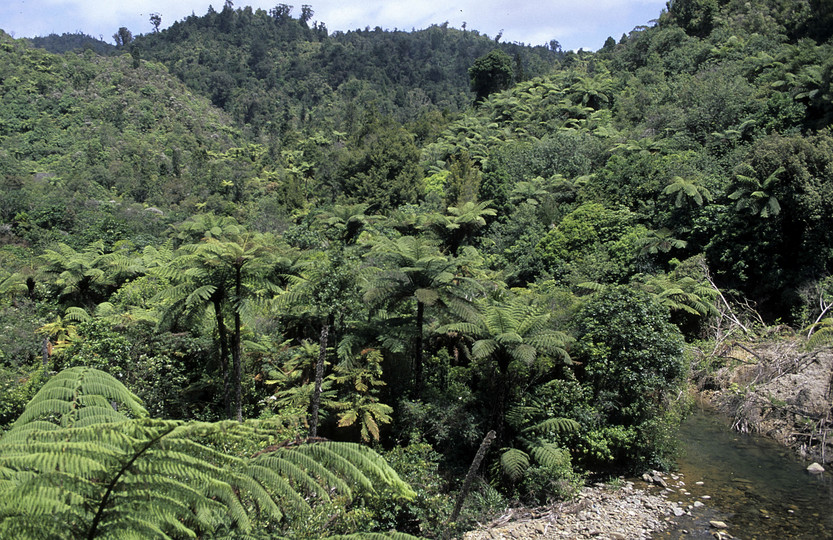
x=815, y=468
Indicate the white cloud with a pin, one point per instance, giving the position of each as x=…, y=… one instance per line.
x=574, y=23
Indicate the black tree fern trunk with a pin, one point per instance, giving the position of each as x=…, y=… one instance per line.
x=319, y=374
x=418, y=352
x=222, y=336
x=235, y=352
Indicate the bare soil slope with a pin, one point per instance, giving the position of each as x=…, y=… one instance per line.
x=777, y=389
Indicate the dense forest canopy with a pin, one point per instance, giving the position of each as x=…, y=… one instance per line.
x=405, y=239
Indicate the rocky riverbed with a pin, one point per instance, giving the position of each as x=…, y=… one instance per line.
x=624, y=510
x=774, y=388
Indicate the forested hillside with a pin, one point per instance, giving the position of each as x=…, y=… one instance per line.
x=276, y=73
x=268, y=234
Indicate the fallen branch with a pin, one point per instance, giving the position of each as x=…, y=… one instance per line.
x=729, y=312
x=475, y=464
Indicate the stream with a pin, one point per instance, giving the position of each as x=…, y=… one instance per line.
x=757, y=487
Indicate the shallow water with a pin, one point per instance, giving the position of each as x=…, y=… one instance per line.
x=757, y=487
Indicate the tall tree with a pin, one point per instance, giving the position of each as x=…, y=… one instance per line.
x=156, y=21
x=325, y=290
x=383, y=170
x=490, y=73
x=123, y=37
x=632, y=358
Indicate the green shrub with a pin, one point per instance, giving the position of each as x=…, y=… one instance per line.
x=632, y=362
x=425, y=515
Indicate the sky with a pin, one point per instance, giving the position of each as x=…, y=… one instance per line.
x=575, y=24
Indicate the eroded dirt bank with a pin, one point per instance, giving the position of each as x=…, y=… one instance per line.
x=776, y=389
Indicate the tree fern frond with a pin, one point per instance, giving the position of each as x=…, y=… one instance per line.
x=305, y=469
x=531, y=323
x=358, y=462
x=509, y=338
x=66, y=394
x=514, y=463
x=200, y=295
x=347, y=418
x=550, y=455
x=336, y=461
x=554, y=425
x=370, y=426
x=92, y=471
x=484, y=348
x=524, y=352
x=592, y=286
x=470, y=329
x=76, y=314
x=134, y=527
x=274, y=485
x=518, y=415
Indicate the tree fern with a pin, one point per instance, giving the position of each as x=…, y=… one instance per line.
x=820, y=333
x=514, y=463
x=535, y=438
x=85, y=461
x=416, y=270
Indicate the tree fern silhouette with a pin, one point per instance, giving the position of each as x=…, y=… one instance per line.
x=754, y=194
x=227, y=277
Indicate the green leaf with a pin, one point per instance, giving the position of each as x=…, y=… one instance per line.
x=514, y=463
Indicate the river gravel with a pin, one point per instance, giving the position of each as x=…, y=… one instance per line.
x=601, y=511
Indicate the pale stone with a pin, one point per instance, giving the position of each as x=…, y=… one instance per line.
x=815, y=468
